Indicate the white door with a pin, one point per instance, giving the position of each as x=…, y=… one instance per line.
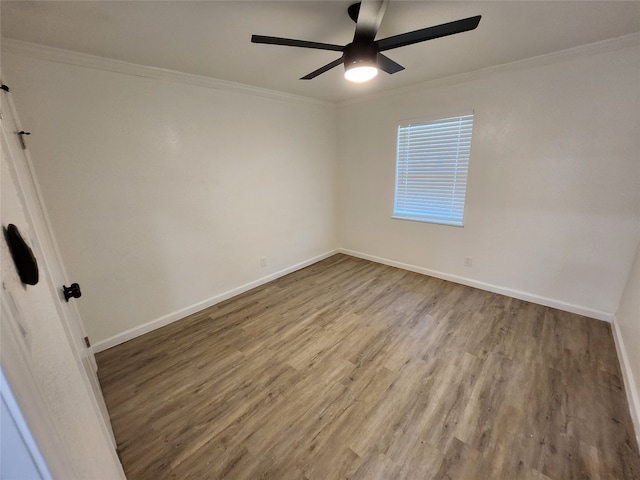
x=45, y=248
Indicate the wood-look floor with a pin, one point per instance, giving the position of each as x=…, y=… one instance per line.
x=350, y=369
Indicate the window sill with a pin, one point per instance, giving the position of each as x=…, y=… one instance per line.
x=428, y=220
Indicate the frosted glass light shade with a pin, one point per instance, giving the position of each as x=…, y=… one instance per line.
x=360, y=73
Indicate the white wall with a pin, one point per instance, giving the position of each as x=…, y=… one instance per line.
x=164, y=195
x=627, y=329
x=552, y=209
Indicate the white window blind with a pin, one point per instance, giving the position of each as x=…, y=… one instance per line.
x=431, y=170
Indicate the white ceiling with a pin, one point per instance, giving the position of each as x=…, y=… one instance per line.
x=212, y=38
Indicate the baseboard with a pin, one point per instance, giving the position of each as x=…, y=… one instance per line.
x=627, y=376
x=184, y=312
x=547, y=302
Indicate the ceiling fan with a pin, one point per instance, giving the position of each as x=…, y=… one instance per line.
x=362, y=57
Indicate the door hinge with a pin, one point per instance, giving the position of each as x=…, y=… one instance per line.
x=22, y=133
x=87, y=342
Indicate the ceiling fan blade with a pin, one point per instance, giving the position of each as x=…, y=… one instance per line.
x=387, y=65
x=328, y=66
x=289, y=42
x=369, y=19
x=429, y=33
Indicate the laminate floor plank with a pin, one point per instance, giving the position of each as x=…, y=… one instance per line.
x=349, y=369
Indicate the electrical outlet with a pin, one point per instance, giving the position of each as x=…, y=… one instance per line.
x=263, y=261
x=468, y=262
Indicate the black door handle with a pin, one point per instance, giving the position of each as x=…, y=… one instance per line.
x=72, y=291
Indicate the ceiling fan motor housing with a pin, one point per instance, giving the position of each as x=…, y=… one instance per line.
x=359, y=54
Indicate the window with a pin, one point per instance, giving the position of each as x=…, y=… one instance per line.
x=431, y=170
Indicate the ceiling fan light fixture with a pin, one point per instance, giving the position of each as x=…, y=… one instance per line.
x=360, y=62
x=360, y=73
x=363, y=57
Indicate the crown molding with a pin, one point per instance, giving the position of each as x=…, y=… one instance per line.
x=43, y=52
x=618, y=43
x=53, y=54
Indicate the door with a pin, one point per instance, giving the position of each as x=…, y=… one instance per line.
x=22, y=457
x=52, y=270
